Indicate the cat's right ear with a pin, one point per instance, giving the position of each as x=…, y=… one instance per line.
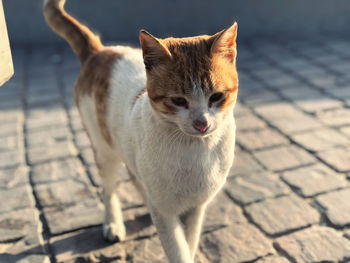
x=154, y=51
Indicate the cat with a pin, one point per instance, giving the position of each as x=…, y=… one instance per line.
x=166, y=112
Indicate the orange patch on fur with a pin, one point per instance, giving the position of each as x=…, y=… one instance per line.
x=93, y=81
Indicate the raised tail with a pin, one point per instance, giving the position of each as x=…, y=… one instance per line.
x=83, y=42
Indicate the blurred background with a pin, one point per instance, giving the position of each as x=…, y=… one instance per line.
x=287, y=195
x=122, y=20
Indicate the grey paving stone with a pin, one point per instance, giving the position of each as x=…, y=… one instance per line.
x=62, y=193
x=272, y=259
x=337, y=206
x=82, y=140
x=316, y=244
x=77, y=125
x=58, y=170
x=284, y=157
x=283, y=214
x=47, y=137
x=85, y=245
x=255, y=140
x=44, y=153
x=237, y=243
x=149, y=250
x=138, y=224
x=12, y=177
x=20, y=234
x=249, y=122
x=9, y=143
x=338, y=158
x=44, y=117
x=11, y=158
x=244, y=164
x=287, y=118
x=9, y=129
x=334, y=118
x=24, y=258
x=16, y=198
x=241, y=110
x=318, y=103
x=222, y=212
x=254, y=187
x=84, y=213
x=314, y=179
x=321, y=139
x=42, y=97
x=88, y=156
x=258, y=96
x=346, y=131
x=342, y=93
x=9, y=115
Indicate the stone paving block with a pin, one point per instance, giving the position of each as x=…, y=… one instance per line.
x=237, y=243
x=62, y=193
x=346, y=131
x=338, y=158
x=16, y=198
x=321, y=139
x=86, y=245
x=58, y=170
x=277, y=83
x=20, y=236
x=337, y=206
x=341, y=93
x=42, y=97
x=273, y=259
x=258, y=96
x=9, y=115
x=24, y=258
x=254, y=187
x=283, y=214
x=47, y=137
x=244, y=163
x=314, y=179
x=76, y=124
x=138, y=224
x=149, y=250
x=8, y=143
x=334, y=118
x=43, y=153
x=316, y=244
x=299, y=92
x=9, y=129
x=241, y=110
x=84, y=213
x=255, y=140
x=222, y=212
x=318, y=103
x=11, y=158
x=249, y=122
x=12, y=177
x=88, y=156
x=284, y=157
x=287, y=118
x=43, y=117
x=82, y=140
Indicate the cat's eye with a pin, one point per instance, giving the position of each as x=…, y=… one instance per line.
x=215, y=97
x=179, y=101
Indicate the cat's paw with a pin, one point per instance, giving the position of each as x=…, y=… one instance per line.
x=113, y=232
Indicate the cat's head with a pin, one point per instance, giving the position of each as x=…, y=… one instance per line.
x=192, y=82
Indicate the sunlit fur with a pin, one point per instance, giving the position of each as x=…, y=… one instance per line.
x=131, y=120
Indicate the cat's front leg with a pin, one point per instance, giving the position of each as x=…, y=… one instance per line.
x=172, y=236
x=193, y=220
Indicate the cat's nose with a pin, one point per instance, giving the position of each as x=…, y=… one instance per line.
x=201, y=125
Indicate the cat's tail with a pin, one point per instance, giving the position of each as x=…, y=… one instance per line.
x=83, y=42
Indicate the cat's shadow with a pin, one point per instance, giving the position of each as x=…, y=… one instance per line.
x=80, y=244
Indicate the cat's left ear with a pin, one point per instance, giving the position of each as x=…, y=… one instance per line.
x=224, y=44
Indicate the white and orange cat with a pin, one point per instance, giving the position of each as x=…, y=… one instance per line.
x=166, y=112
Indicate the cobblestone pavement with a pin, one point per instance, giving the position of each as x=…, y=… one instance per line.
x=287, y=198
